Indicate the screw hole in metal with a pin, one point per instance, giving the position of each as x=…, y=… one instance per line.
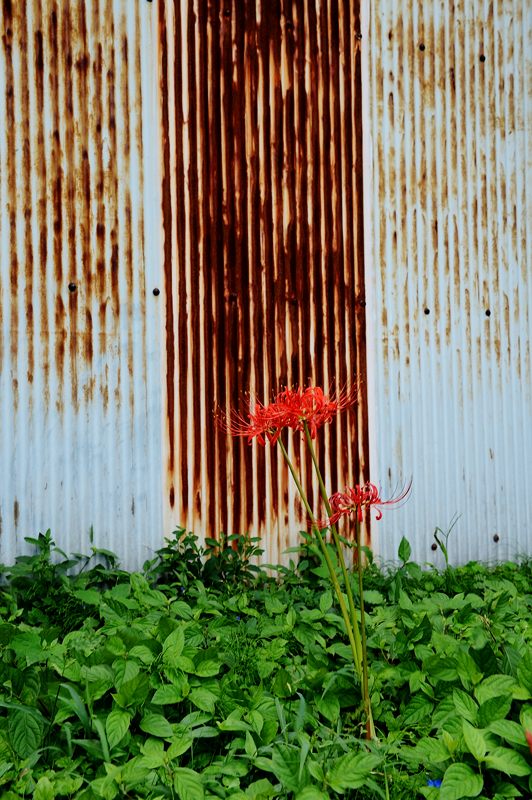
x=496, y=538
x=482, y=57
x=434, y=546
x=156, y=292
x=421, y=46
x=488, y=312
x=426, y=311
x=72, y=287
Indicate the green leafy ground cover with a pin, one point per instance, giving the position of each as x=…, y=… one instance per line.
x=203, y=677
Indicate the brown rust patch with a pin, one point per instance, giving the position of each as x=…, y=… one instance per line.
x=269, y=234
x=8, y=43
x=167, y=232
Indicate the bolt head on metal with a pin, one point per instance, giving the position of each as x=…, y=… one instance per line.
x=156, y=292
x=72, y=287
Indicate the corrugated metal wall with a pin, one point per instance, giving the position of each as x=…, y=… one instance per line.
x=263, y=249
x=208, y=151
x=181, y=222
x=449, y=270
x=80, y=379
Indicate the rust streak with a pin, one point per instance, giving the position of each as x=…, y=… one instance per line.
x=7, y=40
x=167, y=228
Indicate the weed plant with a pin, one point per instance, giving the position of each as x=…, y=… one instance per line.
x=205, y=676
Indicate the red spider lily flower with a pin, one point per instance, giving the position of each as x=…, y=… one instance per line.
x=291, y=408
x=311, y=406
x=528, y=735
x=359, y=498
x=263, y=423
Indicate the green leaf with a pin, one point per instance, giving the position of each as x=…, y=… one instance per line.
x=116, y=726
x=440, y=668
x=124, y=670
x=510, y=731
x=143, y=653
x=492, y=709
x=474, y=740
x=465, y=705
x=27, y=645
x=25, y=728
x=459, y=782
x=168, y=694
x=524, y=670
x=373, y=597
x=494, y=686
x=207, y=668
x=250, y=747
x=285, y=766
x=351, y=771
x=173, y=646
x=404, y=550
x=180, y=742
x=153, y=755
x=273, y=605
x=326, y=601
x=157, y=725
x=418, y=708
x=508, y=761
x=133, y=692
x=260, y=790
x=329, y=706
x=203, y=699
x=44, y=789
x=311, y=793
x=188, y=784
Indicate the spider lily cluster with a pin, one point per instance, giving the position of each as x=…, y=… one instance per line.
x=307, y=410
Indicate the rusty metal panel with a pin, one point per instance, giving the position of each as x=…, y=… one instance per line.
x=449, y=232
x=263, y=246
x=80, y=385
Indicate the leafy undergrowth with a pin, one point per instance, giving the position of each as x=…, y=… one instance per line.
x=204, y=677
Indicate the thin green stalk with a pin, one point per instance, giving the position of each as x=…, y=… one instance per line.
x=330, y=566
x=338, y=545
x=365, y=681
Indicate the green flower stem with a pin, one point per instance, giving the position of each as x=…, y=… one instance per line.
x=338, y=545
x=365, y=682
x=330, y=566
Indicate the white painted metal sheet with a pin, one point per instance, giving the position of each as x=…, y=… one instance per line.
x=448, y=156
x=80, y=379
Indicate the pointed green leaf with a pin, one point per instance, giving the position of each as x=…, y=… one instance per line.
x=167, y=695
x=207, y=668
x=203, y=698
x=465, y=705
x=510, y=731
x=325, y=601
x=116, y=726
x=25, y=731
x=405, y=550
x=459, y=782
x=187, y=784
x=474, y=740
x=173, y=646
x=329, y=706
x=508, y=761
x=351, y=771
x=492, y=709
x=157, y=725
x=311, y=793
x=494, y=686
